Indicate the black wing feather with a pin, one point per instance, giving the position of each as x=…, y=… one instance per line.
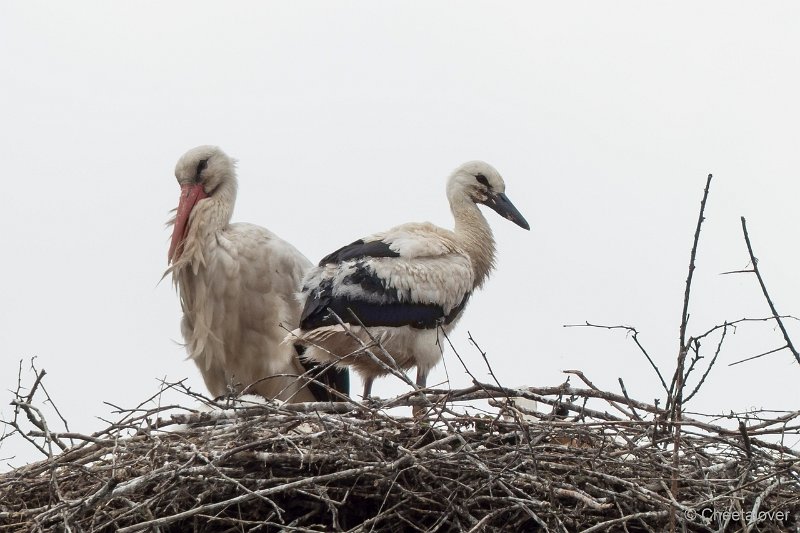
x=357, y=250
x=454, y=312
x=325, y=377
x=391, y=311
x=395, y=314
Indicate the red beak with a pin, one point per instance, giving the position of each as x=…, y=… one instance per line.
x=191, y=193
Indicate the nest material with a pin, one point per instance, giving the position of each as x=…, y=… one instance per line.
x=352, y=467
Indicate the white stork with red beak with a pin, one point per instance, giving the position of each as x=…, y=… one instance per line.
x=403, y=284
x=237, y=286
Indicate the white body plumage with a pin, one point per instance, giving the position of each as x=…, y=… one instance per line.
x=404, y=285
x=237, y=285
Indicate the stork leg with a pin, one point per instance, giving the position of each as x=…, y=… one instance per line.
x=367, y=387
x=422, y=378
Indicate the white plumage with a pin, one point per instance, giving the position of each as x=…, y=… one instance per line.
x=403, y=284
x=237, y=286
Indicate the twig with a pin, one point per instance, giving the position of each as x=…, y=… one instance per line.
x=775, y=313
x=675, y=396
x=394, y=466
x=740, y=361
x=745, y=439
x=635, y=336
x=709, y=367
x=625, y=393
x=693, y=255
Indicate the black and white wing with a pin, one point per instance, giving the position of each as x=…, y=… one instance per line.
x=413, y=275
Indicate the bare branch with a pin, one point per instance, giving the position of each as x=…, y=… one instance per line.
x=775, y=313
x=635, y=336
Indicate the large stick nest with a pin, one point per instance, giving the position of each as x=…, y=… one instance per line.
x=353, y=467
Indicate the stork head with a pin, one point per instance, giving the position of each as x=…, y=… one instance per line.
x=201, y=172
x=482, y=184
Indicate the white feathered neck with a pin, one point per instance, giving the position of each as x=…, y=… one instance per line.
x=473, y=235
x=210, y=216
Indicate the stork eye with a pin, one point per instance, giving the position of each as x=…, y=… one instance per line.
x=482, y=179
x=201, y=166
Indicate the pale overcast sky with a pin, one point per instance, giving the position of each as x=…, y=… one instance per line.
x=346, y=118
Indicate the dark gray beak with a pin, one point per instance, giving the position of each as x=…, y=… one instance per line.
x=503, y=207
